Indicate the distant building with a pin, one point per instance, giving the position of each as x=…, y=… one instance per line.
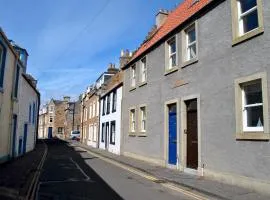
x=58, y=118
x=90, y=108
x=110, y=115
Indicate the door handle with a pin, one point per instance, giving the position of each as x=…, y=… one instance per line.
x=185, y=131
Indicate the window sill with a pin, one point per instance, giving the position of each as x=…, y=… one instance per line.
x=252, y=136
x=142, y=134
x=248, y=36
x=131, y=89
x=169, y=71
x=143, y=84
x=132, y=134
x=189, y=62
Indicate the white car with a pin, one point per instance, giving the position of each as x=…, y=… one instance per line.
x=75, y=135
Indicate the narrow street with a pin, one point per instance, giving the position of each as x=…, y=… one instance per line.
x=71, y=173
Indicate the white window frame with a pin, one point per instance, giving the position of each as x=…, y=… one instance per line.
x=244, y=106
x=242, y=15
x=251, y=133
x=143, y=118
x=170, y=54
x=189, y=45
x=94, y=109
x=95, y=133
x=133, y=76
x=90, y=111
x=97, y=108
x=237, y=22
x=143, y=70
x=132, y=120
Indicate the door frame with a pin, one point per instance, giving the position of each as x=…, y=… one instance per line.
x=166, y=133
x=183, y=165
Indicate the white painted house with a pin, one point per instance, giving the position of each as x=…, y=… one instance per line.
x=28, y=115
x=110, y=115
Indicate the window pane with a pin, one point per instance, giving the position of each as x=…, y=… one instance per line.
x=247, y=5
x=172, y=47
x=173, y=60
x=250, y=21
x=253, y=93
x=255, y=116
x=192, y=51
x=191, y=35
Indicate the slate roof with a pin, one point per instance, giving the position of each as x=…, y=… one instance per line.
x=181, y=14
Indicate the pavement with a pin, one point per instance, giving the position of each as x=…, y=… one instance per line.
x=16, y=175
x=212, y=189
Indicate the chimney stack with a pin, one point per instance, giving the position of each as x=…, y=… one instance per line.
x=67, y=98
x=161, y=17
x=124, y=57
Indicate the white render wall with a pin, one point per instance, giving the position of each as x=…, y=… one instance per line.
x=27, y=96
x=116, y=116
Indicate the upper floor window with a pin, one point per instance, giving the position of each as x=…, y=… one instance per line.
x=114, y=101
x=90, y=111
x=143, y=70
x=172, y=55
x=103, y=106
x=2, y=64
x=133, y=76
x=51, y=109
x=34, y=113
x=30, y=113
x=191, y=43
x=248, y=15
x=94, y=110
x=51, y=119
x=16, y=86
x=247, y=19
x=108, y=104
x=97, y=107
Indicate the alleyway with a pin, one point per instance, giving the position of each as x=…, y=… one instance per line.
x=74, y=174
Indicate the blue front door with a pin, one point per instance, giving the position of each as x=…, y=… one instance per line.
x=172, y=134
x=49, y=132
x=25, y=137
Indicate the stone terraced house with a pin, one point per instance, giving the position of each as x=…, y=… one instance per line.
x=196, y=92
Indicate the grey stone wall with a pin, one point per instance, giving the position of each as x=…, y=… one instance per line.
x=212, y=77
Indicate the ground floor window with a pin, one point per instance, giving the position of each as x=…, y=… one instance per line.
x=112, y=133
x=103, y=130
x=60, y=130
x=251, y=104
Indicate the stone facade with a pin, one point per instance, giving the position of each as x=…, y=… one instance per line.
x=57, y=115
x=210, y=81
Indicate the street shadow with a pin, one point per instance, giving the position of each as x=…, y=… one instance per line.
x=66, y=175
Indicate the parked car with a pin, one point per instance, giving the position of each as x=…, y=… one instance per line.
x=75, y=135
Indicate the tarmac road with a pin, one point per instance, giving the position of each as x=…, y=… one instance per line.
x=72, y=173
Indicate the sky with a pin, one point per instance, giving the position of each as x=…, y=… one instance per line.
x=71, y=42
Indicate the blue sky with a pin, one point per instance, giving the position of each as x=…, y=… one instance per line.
x=70, y=42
